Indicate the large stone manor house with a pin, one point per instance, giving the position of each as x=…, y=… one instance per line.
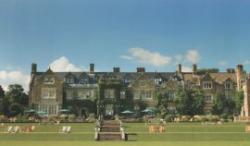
x=108, y=93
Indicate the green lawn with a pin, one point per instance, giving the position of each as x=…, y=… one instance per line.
x=181, y=134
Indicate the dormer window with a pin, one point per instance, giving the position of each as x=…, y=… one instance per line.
x=207, y=85
x=158, y=81
x=70, y=80
x=49, y=81
x=83, y=81
x=228, y=85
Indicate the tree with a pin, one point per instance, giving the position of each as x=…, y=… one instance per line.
x=1, y=93
x=223, y=105
x=77, y=106
x=16, y=94
x=238, y=99
x=1, y=100
x=198, y=101
x=189, y=101
x=15, y=109
x=164, y=103
x=209, y=70
x=15, y=100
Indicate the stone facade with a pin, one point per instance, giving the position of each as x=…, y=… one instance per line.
x=46, y=92
x=51, y=91
x=246, y=108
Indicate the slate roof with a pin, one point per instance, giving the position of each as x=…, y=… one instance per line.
x=220, y=77
x=129, y=76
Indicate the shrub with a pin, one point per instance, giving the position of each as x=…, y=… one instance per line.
x=224, y=116
x=169, y=118
x=71, y=118
x=185, y=118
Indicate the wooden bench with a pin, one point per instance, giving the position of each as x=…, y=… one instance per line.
x=127, y=135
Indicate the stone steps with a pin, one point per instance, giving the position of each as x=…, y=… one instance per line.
x=110, y=136
x=110, y=131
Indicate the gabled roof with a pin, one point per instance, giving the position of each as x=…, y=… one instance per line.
x=220, y=77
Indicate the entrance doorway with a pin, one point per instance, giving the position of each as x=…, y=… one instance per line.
x=109, y=111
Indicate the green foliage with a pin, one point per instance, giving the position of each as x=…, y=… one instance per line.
x=238, y=99
x=127, y=103
x=1, y=100
x=209, y=70
x=177, y=134
x=223, y=106
x=164, y=101
x=15, y=109
x=1, y=92
x=189, y=101
x=169, y=118
x=76, y=106
x=15, y=100
x=15, y=94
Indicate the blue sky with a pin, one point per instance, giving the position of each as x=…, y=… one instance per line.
x=156, y=34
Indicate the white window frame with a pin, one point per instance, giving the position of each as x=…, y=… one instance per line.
x=48, y=93
x=228, y=85
x=109, y=93
x=207, y=85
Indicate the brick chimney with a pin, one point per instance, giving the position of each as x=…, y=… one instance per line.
x=141, y=69
x=33, y=68
x=179, y=68
x=91, y=67
x=194, y=68
x=239, y=76
x=116, y=69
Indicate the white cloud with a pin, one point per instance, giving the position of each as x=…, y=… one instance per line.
x=178, y=58
x=11, y=76
x=63, y=64
x=247, y=62
x=193, y=56
x=126, y=57
x=14, y=77
x=147, y=57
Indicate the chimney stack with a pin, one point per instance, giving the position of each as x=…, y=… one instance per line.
x=239, y=68
x=91, y=67
x=116, y=69
x=194, y=68
x=179, y=68
x=239, y=75
x=33, y=68
x=140, y=70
